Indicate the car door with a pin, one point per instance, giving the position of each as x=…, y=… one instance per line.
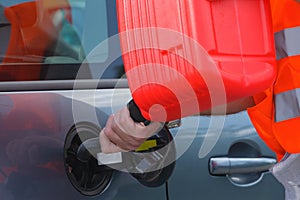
x=226, y=159
x=62, y=76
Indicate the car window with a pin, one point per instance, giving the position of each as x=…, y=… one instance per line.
x=58, y=40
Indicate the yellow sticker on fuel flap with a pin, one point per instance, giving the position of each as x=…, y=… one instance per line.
x=148, y=144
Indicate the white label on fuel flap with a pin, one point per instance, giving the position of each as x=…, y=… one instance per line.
x=109, y=158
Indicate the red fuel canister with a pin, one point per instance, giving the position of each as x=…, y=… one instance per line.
x=185, y=56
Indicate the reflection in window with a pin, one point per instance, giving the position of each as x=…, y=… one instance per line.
x=49, y=39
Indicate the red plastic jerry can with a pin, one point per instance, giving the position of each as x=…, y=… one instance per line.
x=186, y=56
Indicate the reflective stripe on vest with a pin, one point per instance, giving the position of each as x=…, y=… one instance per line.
x=287, y=105
x=287, y=42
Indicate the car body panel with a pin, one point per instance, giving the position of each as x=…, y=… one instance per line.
x=33, y=131
x=33, y=142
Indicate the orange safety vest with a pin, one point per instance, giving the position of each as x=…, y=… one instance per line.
x=276, y=115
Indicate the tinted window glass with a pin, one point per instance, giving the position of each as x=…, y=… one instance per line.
x=53, y=39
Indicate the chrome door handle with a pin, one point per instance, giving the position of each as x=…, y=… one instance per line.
x=227, y=165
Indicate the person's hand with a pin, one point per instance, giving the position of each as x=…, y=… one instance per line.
x=121, y=133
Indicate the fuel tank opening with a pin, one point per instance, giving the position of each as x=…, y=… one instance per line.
x=151, y=164
x=85, y=174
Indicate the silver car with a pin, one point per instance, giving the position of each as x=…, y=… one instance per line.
x=62, y=76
